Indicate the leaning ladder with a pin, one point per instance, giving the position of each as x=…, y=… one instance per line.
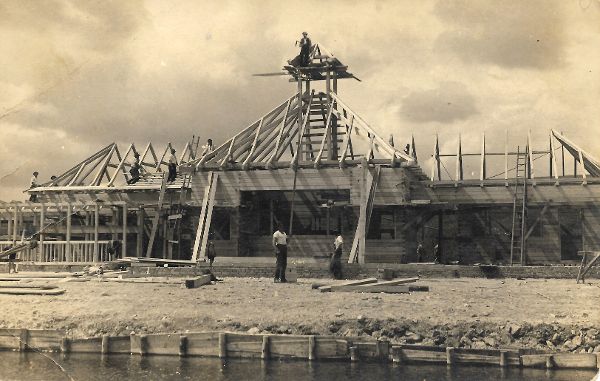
x=174, y=219
x=519, y=218
x=156, y=220
x=208, y=201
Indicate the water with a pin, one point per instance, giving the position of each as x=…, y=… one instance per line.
x=33, y=366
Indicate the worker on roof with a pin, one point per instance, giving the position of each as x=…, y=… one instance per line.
x=172, y=166
x=135, y=170
x=208, y=147
x=304, y=49
x=33, y=184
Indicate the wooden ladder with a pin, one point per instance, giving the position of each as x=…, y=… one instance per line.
x=208, y=201
x=156, y=219
x=519, y=218
x=366, y=208
x=174, y=220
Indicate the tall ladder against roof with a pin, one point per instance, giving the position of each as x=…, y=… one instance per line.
x=174, y=220
x=156, y=220
x=519, y=218
x=208, y=201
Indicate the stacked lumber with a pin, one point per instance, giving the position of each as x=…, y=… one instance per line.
x=395, y=286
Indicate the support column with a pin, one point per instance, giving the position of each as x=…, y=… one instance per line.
x=124, y=235
x=42, y=234
x=9, y=230
x=15, y=223
x=96, y=223
x=140, y=233
x=68, y=237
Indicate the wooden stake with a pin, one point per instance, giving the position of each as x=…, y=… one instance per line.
x=503, y=358
x=105, y=344
x=312, y=348
x=354, y=354
x=265, y=351
x=449, y=355
x=183, y=346
x=222, y=345
x=65, y=345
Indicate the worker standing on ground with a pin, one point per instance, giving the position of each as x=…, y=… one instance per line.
x=280, y=245
x=336, y=259
x=420, y=253
x=304, y=49
x=33, y=183
x=211, y=253
x=208, y=147
x=172, y=166
x=436, y=254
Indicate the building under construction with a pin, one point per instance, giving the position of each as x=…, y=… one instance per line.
x=315, y=166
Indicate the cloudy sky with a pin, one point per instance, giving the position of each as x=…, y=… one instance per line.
x=78, y=75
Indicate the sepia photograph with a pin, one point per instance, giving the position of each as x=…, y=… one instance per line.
x=268, y=190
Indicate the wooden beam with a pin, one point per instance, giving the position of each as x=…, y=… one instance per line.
x=121, y=165
x=253, y=146
x=140, y=233
x=325, y=136
x=124, y=233
x=459, y=161
x=506, y=159
x=42, y=235
x=482, y=170
x=96, y=223
x=530, y=158
x=68, y=257
x=280, y=133
x=346, y=143
x=537, y=221
x=102, y=169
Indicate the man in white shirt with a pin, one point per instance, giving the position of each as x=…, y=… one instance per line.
x=280, y=245
x=208, y=147
x=336, y=259
x=172, y=166
x=33, y=184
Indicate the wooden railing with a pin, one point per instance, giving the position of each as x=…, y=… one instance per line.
x=56, y=251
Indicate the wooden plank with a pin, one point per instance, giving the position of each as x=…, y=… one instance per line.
x=200, y=229
x=393, y=282
x=209, y=212
x=289, y=347
x=348, y=283
x=156, y=219
x=198, y=281
x=31, y=291
x=562, y=360
x=402, y=289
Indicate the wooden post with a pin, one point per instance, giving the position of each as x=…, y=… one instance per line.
x=15, y=223
x=449, y=355
x=124, y=235
x=143, y=345
x=312, y=348
x=140, y=233
x=549, y=362
x=506, y=159
x=164, y=237
x=265, y=352
x=397, y=354
x=183, y=346
x=65, y=345
x=23, y=340
x=42, y=234
x=9, y=230
x=353, y=353
x=503, y=359
x=459, y=161
x=362, y=217
x=105, y=344
x=96, y=223
x=271, y=226
x=482, y=174
x=222, y=345
x=68, y=237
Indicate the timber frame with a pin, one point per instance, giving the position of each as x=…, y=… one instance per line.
x=311, y=160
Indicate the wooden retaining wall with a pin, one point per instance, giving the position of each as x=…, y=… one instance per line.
x=301, y=347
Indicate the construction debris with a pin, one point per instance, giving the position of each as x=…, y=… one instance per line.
x=396, y=286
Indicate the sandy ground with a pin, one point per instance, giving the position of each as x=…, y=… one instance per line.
x=240, y=304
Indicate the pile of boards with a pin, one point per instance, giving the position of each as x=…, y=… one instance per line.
x=31, y=284
x=395, y=286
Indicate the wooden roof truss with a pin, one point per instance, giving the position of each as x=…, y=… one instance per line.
x=108, y=165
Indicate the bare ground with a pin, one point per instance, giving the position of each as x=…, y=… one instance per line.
x=543, y=314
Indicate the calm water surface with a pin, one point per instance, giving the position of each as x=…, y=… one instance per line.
x=33, y=366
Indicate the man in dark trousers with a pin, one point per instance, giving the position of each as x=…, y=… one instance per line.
x=280, y=245
x=304, y=49
x=172, y=166
x=336, y=259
